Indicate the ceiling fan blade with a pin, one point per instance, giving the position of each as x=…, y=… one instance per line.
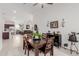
x=24, y=3
x=35, y=4
x=50, y=3
x=42, y=6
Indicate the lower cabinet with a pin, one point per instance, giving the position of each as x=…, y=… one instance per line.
x=5, y=35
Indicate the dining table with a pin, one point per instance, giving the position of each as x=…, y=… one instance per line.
x=37, y=45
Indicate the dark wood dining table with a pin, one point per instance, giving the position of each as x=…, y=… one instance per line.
x=36, y=46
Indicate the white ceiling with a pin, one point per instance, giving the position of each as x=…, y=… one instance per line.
x=21, y=11
x=29, y=8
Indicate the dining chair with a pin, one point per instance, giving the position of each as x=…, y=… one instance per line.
x=24, y=38
x=73, y=40
x=44, y=35
x=28, y=46
x=48, y=47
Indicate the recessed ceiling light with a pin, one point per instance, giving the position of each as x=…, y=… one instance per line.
x=14, y=11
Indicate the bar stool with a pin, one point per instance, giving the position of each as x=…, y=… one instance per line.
x=73, y=40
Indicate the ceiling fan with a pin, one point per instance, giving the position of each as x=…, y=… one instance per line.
x=42, y=4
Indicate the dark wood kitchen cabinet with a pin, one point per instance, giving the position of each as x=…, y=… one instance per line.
x=58, y=40
x=7, y=26
x=5, y=35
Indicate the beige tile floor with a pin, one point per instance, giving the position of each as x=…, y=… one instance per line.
x=13, y=47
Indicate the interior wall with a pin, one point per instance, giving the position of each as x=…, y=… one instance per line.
x=13, y=14
x=68, y=12
x=40, y=16
x=1, y=29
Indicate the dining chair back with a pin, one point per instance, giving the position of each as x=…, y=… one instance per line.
x=48, y=46
x=27, y=44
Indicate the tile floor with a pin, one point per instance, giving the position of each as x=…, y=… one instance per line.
x=13, y=47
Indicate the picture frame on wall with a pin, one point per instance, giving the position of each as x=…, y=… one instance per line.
x=54, y=24
x=27, y=26
x=35, y=27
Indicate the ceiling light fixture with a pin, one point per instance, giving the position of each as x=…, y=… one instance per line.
x=42, y=4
